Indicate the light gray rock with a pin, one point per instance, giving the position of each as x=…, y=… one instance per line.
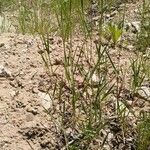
x=95, y=79
x=32, y=110
x=4, y=72
x=135, y=26
x=13, y=93
x=46, y=100
x=144, y=91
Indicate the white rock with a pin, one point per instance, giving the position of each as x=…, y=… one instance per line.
x=113, y=13
x=4, y=72
x=129, y=47
x=136, y=26
x=95, y=78
x=13, y=93
x=132, y=26
x=144, y=91
x=46, y=100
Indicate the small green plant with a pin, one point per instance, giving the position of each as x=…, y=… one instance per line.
x=138, y=75
x=143, y=129
x=115, y=32
x=143, y=37
x=83, y=99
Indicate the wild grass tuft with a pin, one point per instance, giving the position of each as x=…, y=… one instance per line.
x=83, y=102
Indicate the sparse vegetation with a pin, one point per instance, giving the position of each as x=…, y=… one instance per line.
x=95, y=93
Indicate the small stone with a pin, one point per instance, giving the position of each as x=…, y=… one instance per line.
x=113, y=13
x=136, y=10
x=107, y=16
x=95, y=78
x=13, y=93
x=144, y=91
x=45, y=100
x=4, y=72
x=40, y=52
x=130, y=47
x=32, y=110
x=35, y=90
x=135, y=26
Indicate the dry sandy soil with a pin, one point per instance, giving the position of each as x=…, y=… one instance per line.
x=21, y=112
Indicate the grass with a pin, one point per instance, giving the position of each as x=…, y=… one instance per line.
x=87, y=100
x=143, y=130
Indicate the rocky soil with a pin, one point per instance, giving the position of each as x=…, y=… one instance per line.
x=23, y=123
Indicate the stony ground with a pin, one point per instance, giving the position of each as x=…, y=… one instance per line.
x=23, y=123
x=21, y=112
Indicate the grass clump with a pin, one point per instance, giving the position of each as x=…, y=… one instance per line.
x=143, y=130
x=89, y=91
x=88, y=98
x=144, y=34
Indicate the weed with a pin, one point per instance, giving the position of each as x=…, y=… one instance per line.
x=143, y=130
x=83, y=103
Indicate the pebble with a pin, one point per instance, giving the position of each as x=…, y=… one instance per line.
x=13, y=93
x=4, y=72
x=113, y=13
x=144, y=91
x=32, y=110
x=46, y=100
x=35, y=90
x=95, y=79
x=135, y=26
